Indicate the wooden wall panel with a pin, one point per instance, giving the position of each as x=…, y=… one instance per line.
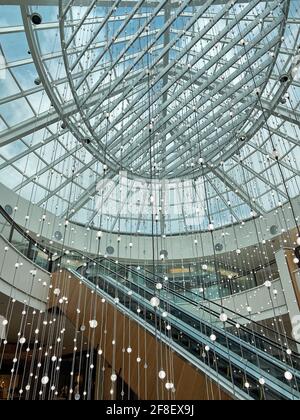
x=290, y=255
x=190, y=383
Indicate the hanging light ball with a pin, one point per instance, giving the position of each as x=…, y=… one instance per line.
x=162, y=374
x=262, y=381
x=288, y=376
x=223, y=317
x=45, y=380
x=155, y=302
x=113, y=377
x=298, y=241
x=159, y=286
x=268, y=284
x=93, y=324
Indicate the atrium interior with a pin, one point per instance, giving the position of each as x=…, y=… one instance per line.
x=150, y=200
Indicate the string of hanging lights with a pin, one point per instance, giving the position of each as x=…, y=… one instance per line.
x=149, y=181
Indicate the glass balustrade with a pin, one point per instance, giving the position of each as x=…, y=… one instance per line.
x=240, y=351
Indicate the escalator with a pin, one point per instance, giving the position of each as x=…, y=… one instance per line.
x=249, y=361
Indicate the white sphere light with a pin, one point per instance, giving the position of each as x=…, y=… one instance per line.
x=93, y=324
x=268, y=284
x=159, y=286
x=213, y=337
x=45, y=380
x=288, y=376
x=223, y=317
x=162, y=375
x=262, y=381
x=155, y=302
x=113, y=377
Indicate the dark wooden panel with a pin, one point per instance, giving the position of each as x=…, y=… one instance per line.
x=190, y=383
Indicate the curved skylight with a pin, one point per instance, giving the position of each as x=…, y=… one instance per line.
x=200, y=96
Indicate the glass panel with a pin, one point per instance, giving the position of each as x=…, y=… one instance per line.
x=20, y=242
x=40, y=258
x=5, y=227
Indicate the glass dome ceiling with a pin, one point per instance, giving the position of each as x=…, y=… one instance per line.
x=200, y=96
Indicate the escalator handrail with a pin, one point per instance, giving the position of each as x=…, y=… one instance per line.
x=290, y=339
x=207, y=310
x=146, y=325
x=277, y=385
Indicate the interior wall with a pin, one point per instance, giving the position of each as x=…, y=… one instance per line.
x=178, y=247
x=25, y=282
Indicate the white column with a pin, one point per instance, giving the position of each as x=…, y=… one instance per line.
x=288, y=288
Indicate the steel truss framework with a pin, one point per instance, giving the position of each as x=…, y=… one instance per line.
x=84, y=89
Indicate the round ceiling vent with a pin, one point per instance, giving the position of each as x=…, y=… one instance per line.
x=58, y=235
x=219, y=247
x=8, y=209
x=110, y=250
x=274, y=230
x=164, y=254
x=36, y=18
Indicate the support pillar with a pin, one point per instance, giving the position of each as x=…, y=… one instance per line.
x=290, y=281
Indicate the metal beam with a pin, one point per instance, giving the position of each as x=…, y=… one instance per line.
x=107, y=3
x=233, y=186
x=282, y=112
x=197, y=92
x=200, y=72
x=48, y=118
